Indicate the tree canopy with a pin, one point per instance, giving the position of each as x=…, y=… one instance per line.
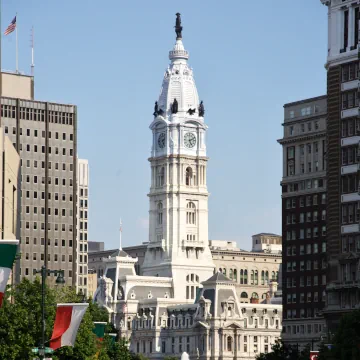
x=20, y=325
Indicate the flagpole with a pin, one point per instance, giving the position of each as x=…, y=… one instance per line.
x=32, y=51
x=120, y=233
x=17, y=50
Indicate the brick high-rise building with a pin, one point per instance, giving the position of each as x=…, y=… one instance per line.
x=304, y=220
x=44, y=135
x=343, y=130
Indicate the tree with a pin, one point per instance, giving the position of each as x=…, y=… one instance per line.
x=20, y=325
x=346, y=341
x=283, y=352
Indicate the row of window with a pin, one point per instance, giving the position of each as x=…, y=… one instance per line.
x=309, y=200
x=56, y=117
x=303, y=329
x=35, y=149
x=27, y=272
x=350, y=127
x=350, y=99
x=350, y=243
x=350, y=213
x=349, y=155
x=310, y=297
x=309, y=168
x=310, y=281
x=310, y=148
x=292, y=265
x=35, y=164
x=303, y=249
x=310, y=233
x=302, y=128
x=56, y=180
x=56, y=211
x=41, y=195
x=42, y=226
x=303, y=185
x=83, y=247
x=42, y=257
x=306, y=313
x=349, y=183
x=36, y=132
x=254, y=276
x=350, y=71
x=291, y=282
x=308, y=216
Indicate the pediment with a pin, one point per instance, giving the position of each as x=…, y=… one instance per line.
x=232, y=325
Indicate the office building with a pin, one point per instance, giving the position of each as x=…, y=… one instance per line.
x=343, y=130
x=304, y=219
x=44, y=134
x=82, y=225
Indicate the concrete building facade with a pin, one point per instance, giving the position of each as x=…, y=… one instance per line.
x=304, y=220
x=82, y=225
x=343, y=124
x=45, y=136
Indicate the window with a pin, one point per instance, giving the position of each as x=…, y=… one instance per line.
x=160, y=176
x=160, y=213
x=189, y=176
x=229, y=343
x=190, y=213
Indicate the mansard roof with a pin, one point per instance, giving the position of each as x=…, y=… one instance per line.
x=218, y=277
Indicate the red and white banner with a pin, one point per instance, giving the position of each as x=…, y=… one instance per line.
x=314, y=355
x=67, y=322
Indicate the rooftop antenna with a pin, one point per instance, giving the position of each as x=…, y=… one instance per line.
x=32, y=51
x=120, y=234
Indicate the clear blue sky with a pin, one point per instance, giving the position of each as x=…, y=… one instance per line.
x=108, y=57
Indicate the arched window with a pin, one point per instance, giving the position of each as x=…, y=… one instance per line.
x=229, y=343
x=277, y=276
x=254, y=295
x=245, y=277
x=191, y=213
x=160, y=178
x=244, y=295
x=252, y=277
x=266, y=277
x=263, y=277
x=224, y=271
x=235, y=275
x=189, y=176
x=160, y=213
x=241, y=276
x=256, y=277
x=273, y=275
x=221, y=270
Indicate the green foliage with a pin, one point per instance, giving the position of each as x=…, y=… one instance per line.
x=20, y=326
x=142, y=357
x=346, y=342
x=171, y=358
x=282, y=352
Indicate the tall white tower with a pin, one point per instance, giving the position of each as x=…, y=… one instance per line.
x=178, y=238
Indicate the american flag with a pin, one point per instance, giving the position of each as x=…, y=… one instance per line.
x=11, y=27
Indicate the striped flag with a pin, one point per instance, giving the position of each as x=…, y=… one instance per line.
x=67, y=322
x=8, y=250
x=11, y=27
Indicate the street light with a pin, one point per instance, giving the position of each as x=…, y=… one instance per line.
x=59, y=280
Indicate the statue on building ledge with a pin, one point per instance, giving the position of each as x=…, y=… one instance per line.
x=201, y=109
x=174, y=107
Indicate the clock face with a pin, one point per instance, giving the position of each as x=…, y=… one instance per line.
x=189, y=140
x=161, y=140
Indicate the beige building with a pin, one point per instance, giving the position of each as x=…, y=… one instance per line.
x=9, y=188
x=45, y=136
x=91, y=283
x=251, y=271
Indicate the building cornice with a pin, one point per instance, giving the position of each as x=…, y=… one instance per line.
x=298, y=138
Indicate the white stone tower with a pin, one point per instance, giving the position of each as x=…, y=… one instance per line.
x=178, y=238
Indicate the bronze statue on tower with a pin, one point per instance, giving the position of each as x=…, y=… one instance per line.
x=178, y=27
